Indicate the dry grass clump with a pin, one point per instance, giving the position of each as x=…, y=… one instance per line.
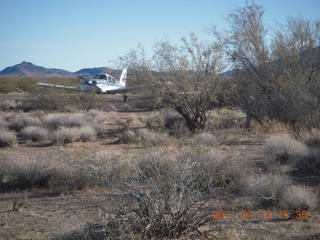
x=23, y=172
x=22, y=120
x=57, y=120
x=268, y=188
x=283, y=148
x=3, y=122
x=155, y=164
x=145, y=137
x=156, y=122
x=111, y=166
x=34, y=133
x=150, y=138
x=64, y=135
x=7, y=138
x=298, y=197
x=214, y=171
x=8, y=104
x=206, y=139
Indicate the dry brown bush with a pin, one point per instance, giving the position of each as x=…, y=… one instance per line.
x=35, y=133
x=7, y=138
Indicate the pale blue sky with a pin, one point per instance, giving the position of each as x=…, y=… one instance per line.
x=72, y=34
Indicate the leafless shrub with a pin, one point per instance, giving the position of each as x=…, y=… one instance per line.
x=7, y=138
x=34, y=133
x=282, y=148
x=298, y=197
x=206, y=139
x=22, y=120
x=268, y=188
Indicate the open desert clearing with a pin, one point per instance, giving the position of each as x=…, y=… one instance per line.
x=35, y=213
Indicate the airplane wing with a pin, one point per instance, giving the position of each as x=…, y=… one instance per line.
x=60, y=86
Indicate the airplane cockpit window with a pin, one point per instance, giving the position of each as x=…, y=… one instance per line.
x=102, y=77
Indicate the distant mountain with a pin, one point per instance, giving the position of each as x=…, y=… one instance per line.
x=27, y=69
x=93, y=71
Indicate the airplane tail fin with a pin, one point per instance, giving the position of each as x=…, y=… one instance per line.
x=123, y=77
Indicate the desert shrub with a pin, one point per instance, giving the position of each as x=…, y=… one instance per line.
x=98, y=116
x=214, y=171
x=3, y=122
x=8, y=104
x=111, y=166
x=145, y=137
x=298, y=197
x=7, y=138
x=22, y=120
x=155, y=122
x=206, y=139
x=309, y=163
x=151, y=138
x=35, y=173
x=57, y=120
x=34, y=133
x=268, y=188
x=87, y=133
x=282, y=148
x=155, y=164
x=65, y=135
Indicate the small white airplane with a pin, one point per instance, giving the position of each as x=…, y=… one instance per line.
x=101, y=83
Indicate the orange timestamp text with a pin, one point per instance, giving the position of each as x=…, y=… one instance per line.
x=260, y=214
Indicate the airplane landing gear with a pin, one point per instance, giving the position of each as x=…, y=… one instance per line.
x=125, y=98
